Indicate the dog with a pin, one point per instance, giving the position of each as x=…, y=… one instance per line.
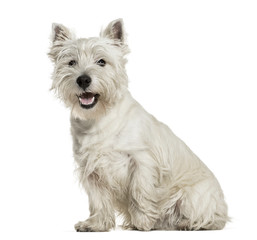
x=128, y=162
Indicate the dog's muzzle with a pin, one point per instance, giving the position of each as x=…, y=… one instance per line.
x=87, y=100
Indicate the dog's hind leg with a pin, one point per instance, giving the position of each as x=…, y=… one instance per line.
x=202, y=207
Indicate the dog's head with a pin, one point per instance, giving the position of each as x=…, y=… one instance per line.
x=89, y=74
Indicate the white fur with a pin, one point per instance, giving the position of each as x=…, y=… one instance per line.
x=128, y=162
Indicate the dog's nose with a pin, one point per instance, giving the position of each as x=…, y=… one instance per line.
x=84, y=81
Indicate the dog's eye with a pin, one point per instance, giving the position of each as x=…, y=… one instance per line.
x=72, y=63
x=101, y=62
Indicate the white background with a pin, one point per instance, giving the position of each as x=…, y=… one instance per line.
x=192, y=65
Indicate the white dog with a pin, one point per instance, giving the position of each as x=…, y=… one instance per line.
x=128, y=161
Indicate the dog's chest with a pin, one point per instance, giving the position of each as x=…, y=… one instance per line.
x=98, y=155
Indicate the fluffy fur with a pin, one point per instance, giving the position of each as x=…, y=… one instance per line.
x=128, y=162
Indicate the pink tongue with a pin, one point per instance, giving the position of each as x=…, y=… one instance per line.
x=87, y=101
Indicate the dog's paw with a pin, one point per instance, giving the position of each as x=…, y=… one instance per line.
x=93, y=225
x=83, y=227
x=128, y=227
x=142, y=222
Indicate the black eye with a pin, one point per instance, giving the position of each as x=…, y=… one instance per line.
x=72, y=63
x=101, y=62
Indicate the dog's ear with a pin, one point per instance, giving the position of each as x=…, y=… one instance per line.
x=61, y=33
x=115, y=31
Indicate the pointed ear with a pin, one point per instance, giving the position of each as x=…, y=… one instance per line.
x=115, y=31
x=61, y=33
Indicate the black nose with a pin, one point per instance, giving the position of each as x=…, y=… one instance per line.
x=84, y=81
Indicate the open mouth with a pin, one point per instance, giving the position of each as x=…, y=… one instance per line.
x=88, y=100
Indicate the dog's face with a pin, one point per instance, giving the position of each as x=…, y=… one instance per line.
x=89, y=74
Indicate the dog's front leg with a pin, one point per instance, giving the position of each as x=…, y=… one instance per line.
x=102, y=216
x=143, y=197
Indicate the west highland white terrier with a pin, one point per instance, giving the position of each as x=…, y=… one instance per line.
x=128, y=162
